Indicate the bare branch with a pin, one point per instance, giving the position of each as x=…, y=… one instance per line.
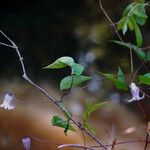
x=25, y=76
x=74, y=146
x=111, y=22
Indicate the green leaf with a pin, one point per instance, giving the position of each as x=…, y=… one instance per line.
x=72, y=81
x=121, y=23
x=125, y=27
x=128, y=8
x=119, y=84
x=148, y=56
x=145, y=79
x=89, y=127
x=139, y=38
x=140, y=15
x=57, y=121
x=140, y=21
x=120, y=75
x=140, y=53
x=61, y=63
x=130, y=25
x=121, y=43
x=91, y=108
x=88, y=110
x=77, y=69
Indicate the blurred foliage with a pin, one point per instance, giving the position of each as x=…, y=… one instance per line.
x=46, y=30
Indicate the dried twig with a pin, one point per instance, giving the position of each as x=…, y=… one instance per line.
x=74, y=146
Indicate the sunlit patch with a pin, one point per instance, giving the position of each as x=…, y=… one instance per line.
x=129, y=130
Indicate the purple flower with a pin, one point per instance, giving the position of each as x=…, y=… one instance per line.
x=7, y=103
x=26, y=143
x=135, y=91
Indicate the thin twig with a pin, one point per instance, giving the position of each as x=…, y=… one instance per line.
x=25, y=76
x=135, y=73
x=111, y=22
x=84, y=139
x=109, y=145
x=125, y=142
x=74, y=146
x=146, y=142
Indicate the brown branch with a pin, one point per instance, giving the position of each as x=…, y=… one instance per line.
x=125, y=142
x=53, y=100
x=146, y=142
x=111, y=22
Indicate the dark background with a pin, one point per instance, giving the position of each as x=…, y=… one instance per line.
x=45, y=30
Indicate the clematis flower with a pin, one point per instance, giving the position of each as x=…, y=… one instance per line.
x=135, y=91
x=7, y=104
x=26, y=143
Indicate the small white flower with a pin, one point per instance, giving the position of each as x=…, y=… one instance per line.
x=26, y=143
x=7, y=104
x=135, y=91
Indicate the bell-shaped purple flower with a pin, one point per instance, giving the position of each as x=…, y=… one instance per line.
x=135, y=91
x=26, y=143
x=7, y=103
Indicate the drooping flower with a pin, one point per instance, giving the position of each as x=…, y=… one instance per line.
x=135, y=91
x=7, y=103
x=26, y=143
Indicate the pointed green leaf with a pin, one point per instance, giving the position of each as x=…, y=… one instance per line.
x=140, y=15
x=145, y=79
x=61, y=63
x=72, y=81
x=121, y=43
x=89, y=127
x=121, y=23
x=140, y=21
x=120, y=75
x=130, y=25
x=91, y=108
x=148, y=56
x=128, y=8
x=119, y=84
x=125, y=27
x=57, y=121
x=77, y=69
x=139, y=38
x=88, y=110
x=140, y=53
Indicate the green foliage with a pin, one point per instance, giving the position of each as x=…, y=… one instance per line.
x=72, y=81
x=59, y=122
x=65, y=61
x=120, y=75
x=145, y=79
x=61, y=63
x=90, y=108
x=134, y=15
x=140, y=53
x=119, y=81
x=77, y=69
